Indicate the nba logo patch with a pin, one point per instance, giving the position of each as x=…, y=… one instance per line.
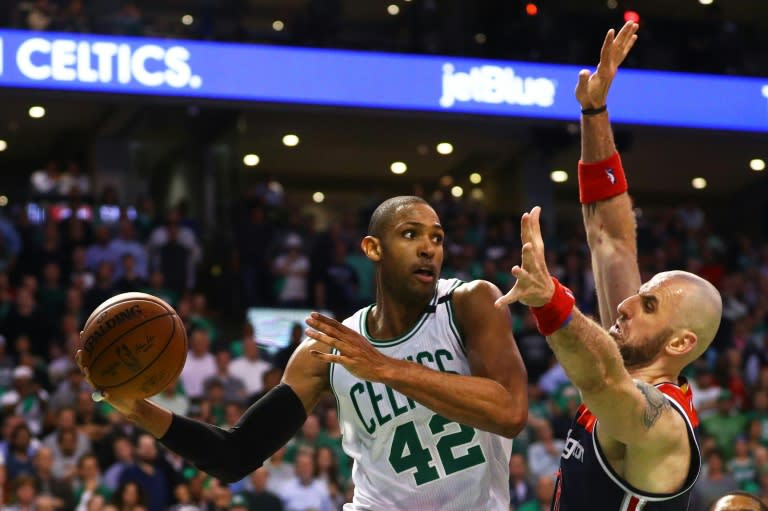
x=611, y=176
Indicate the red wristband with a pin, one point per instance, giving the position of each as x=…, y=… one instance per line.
x=557, y=313
x=601, y=180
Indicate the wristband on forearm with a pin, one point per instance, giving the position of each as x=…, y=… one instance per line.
x=601, y=180
x=557, y=313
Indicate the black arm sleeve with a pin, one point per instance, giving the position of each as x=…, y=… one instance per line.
x=232, y=454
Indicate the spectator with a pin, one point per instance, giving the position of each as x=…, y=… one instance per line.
x=25, y=320
x=305, y=491
x=328, y=471
x=545, y=488
x=520, y=489
x=67, y=392
x=89, y=483
x=307, y=440
x=7, y=365
x=259, y=496
x=73, y=181
x=126, y=243
x=145, y=473
x=101, y=250
x=23, y=494
x=102, y=290
x=713, y=483
x=123, y=454
x=727, y=425
x=330, y=436
x=173, y=399
x=284, y=355
x=129, y=280
x=130, y=496
x=291, y=269
x=80, y=275
x=26, y=399
x=742, y=466
x=280, y=470
x=66, y=420
x=253, y=239
x=336, y=289
x=250, y=368
x=232, y=386
x=544, y=453
x=157, y=288
x=45, y=181
x=200, y=364
x=21, y=448
x=178, y=241
x=65, y=454
x=47, y=482
x=706, y=391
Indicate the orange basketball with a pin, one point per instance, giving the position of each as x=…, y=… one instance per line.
x=134, y=345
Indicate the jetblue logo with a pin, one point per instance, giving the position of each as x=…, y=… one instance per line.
x=68, y=60
x=495, y=85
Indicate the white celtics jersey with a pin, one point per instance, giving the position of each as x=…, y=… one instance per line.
x=407, y=457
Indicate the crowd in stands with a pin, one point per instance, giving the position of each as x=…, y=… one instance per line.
x=710, y=43
x=60, y=450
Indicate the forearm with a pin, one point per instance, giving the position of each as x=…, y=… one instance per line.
x=471, y=400
x=587, y=353
x=596, y=137
x=232, y=454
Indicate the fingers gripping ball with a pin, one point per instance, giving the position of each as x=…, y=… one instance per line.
x=134, y=345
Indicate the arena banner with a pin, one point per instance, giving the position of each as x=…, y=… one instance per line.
x=279, y=74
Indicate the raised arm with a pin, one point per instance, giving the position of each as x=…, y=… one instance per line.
x=633, y=413
x=609, y=219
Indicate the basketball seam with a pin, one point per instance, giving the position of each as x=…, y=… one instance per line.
x=93, y=361
x=167, y=343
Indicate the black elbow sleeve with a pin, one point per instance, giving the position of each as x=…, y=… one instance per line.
x=232, y=454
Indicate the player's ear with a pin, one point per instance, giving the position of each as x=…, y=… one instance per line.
x=371, y=246
x=683, y=343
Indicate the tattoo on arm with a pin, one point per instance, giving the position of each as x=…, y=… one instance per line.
x=655, y=404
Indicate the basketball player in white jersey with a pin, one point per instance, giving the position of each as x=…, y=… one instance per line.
x=429, y=383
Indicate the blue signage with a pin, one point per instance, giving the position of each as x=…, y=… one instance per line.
x=238, y=72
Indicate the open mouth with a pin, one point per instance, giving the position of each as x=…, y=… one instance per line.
x=425, y=274
x=615, y=331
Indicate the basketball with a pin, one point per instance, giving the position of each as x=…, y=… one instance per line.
x=134, y=345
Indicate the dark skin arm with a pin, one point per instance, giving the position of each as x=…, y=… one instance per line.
x=493, y=398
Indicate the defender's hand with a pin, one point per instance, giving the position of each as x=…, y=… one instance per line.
x=592, y=89
x=534, y=286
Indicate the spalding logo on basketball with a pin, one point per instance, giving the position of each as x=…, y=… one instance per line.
x=134, y=345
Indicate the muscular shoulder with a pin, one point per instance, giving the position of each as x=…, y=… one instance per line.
x=665, y=425
x=307, y=375
x=475, y=294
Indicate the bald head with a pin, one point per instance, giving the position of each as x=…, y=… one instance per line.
x=700, y=308
x=739, y=501
x=386, y=211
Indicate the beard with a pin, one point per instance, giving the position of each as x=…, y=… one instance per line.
x=642, y=354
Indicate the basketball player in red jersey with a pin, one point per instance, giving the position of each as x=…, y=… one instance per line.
x=632, y=444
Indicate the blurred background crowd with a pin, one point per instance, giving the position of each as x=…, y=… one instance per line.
x=71, y=242
x=61, y=448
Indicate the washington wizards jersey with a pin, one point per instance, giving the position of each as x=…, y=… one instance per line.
x=587, y=481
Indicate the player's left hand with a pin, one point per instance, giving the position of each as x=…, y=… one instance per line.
x=534, y=286
x=353, y=351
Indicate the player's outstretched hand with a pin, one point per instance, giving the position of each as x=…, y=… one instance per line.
x=534, y=286
x=353, y=351
x=592, y=89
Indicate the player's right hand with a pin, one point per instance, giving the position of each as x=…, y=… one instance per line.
x=592, y=89
x=534, y=286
